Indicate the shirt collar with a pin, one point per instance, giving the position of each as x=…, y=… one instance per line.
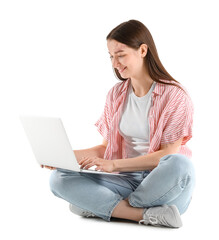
x=125, y=85
x=159, y=88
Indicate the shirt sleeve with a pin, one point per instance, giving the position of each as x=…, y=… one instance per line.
x=179, y=120
x=104, y=122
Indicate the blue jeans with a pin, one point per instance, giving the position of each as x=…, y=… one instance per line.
x=171, y=182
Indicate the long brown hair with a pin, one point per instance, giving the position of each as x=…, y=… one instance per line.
x=134, y=33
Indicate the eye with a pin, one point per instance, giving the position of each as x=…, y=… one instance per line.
x=120, y=56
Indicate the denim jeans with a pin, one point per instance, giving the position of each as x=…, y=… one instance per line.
x=171, y=182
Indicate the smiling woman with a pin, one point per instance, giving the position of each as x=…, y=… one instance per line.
x=146, y=122
x=139, y=36
x=128, y=61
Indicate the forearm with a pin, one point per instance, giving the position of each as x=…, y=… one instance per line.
x=97, y=151
x=141, y=163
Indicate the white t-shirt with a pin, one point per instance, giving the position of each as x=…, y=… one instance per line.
x=134, y=125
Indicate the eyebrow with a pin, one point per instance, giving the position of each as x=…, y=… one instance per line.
x=117, y=51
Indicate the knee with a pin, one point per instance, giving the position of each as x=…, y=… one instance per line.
x=179, y=164
x=60, y=180
x=55, y=182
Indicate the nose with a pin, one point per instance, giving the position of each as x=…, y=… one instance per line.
x=115, y=62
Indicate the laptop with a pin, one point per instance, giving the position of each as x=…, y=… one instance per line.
x=51, y=145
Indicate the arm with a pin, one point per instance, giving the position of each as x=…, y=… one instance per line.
x=141, y=163
x=146, y=162
x=97, y=151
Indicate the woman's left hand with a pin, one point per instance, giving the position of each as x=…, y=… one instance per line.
x=102, y=164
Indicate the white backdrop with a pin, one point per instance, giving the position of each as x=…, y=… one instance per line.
x=54, y=62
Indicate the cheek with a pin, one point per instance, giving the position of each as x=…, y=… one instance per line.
x=132, y=64
x=128, y=62
x=137, y=64
x=123, y=61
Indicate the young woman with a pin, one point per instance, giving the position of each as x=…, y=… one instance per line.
x=146, y=123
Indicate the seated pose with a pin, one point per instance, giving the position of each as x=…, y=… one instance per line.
x=146, y=123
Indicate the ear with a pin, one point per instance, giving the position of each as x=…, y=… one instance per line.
x=143, y=50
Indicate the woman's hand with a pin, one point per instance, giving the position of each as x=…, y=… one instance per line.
x=48, y=167
x=102, y=164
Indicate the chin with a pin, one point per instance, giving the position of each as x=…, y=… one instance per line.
x=124, y=75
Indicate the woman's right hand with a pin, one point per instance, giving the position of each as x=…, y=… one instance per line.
x=48, y=167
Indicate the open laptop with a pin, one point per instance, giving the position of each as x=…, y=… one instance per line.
x=51, y=145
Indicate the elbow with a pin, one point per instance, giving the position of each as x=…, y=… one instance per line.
x=170, y=150
x=162, y=153
x=173, y=151
x=154, y=165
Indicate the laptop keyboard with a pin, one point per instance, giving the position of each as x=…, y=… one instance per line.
x=91, y=168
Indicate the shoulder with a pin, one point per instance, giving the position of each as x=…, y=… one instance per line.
x=172, y=98
x=173, y=92
x=178, y=98
x=117, y=89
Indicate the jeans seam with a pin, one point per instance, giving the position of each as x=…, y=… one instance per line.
x=132, y=203
x=172, y=189
x=111, y=183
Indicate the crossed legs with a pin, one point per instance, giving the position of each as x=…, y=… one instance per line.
x=171, y=183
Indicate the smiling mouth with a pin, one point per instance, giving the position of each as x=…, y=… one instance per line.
x=121, y=70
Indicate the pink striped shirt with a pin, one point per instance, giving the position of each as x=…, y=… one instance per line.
x=170, y=118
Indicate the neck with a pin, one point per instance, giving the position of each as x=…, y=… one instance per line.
x=141, y=84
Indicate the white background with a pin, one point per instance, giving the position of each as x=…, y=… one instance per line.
x=54, y=62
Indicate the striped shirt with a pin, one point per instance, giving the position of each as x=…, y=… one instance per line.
x=170, y=118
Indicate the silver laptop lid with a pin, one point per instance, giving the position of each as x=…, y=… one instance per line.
x=49, y=142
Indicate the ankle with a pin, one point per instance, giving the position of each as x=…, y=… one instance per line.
x=141, y=213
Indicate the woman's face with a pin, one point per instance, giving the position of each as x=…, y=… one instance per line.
x=128, y=61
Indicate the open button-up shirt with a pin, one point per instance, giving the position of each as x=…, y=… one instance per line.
x=170, y=118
